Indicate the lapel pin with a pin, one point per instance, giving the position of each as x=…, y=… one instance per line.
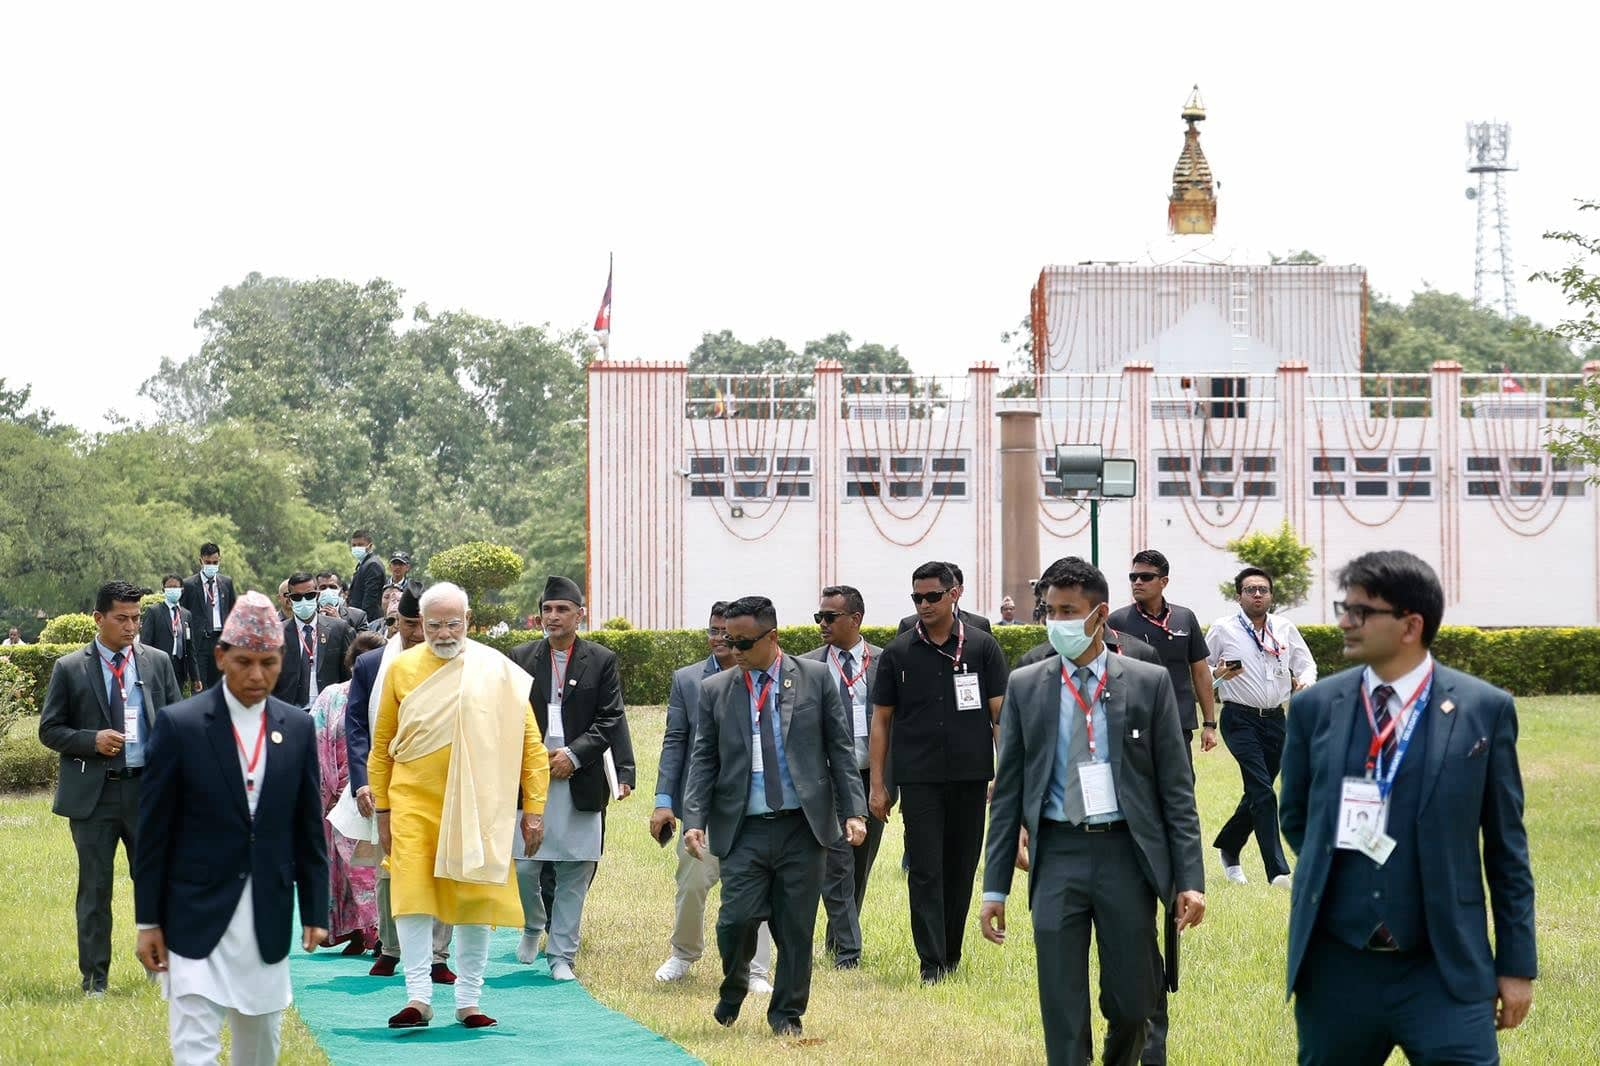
x=277, y=737
x=788, y=682
x=1447, y=706
x=571, y=683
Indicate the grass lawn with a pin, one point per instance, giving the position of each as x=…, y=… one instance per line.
x=1231, y=1010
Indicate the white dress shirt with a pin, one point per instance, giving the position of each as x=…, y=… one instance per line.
x=1271, y=657
x=1404, y=688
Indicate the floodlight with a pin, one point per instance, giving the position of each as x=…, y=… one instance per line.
x=1119, y=479
x=1078, y=467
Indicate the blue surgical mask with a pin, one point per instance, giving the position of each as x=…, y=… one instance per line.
x=359, y=552
x=172, y=596
x=1069, y=638
x=304, y=609
x=210, y=569
x=328, y=598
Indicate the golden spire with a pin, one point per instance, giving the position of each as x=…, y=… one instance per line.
x=1192, y=207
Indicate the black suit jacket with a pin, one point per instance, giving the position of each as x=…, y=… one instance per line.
x=333, y=640
x=155, y=631
x=76, y=708
x=910, y=620
x=194, y=598
x=592, y=715
x=358, y=713
x=817, y=744
x=1471, y=787
x=366, y=587
x=198, y=844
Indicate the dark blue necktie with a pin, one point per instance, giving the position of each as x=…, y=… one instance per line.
x=847, y=665
x=769, y=744
x=1380, y=719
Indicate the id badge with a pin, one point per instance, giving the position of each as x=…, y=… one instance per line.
x=130, y=724
x=557, y=727
x=968, y=698
x=861, y=718
x=1360, y=814
x=756, y=765
x=1099, y=793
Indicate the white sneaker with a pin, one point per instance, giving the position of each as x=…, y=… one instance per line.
x=1235, y=874
x=674, y=969
x=760, y=986
x=528, y=948
x=561, y=970
x=1282, y=881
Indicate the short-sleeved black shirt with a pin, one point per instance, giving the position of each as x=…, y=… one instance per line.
x=1178, y=641
x=932, y=742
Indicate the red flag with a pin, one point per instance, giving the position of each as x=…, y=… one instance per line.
x=602, y=320
x=1507, y=382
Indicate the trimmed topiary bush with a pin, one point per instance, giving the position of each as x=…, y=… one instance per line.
x=25, y=763
x=73, y=629
x=482, y=569
x=618, y=623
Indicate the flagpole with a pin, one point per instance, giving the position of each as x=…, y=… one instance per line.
x=611, y=277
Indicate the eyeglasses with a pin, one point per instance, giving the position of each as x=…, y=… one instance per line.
x=830, y=617
x=746, y=643
x=301, y=597
x=928, y=597
x=1360, y=612
x=1256, y=590
x=717, y=634
x=1142, y=575
x=455, y=625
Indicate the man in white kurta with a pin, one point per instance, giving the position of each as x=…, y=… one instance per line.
x=233, y=800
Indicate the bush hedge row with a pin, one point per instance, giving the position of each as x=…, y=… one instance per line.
x=1526, y=662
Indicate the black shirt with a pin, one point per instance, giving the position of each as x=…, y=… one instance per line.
x=971, y=620
x=1179, y=642
x=932, y=742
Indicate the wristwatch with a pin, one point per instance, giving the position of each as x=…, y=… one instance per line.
x=1209, y=725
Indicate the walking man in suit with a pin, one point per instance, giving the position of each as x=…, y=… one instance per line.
x=695, y=877
x=853, y=665
x=314, y=645
x=98, y=712
x=330, y=601
x=577, y=702
x=169, y=627
x=773, y=771
x=1092, y=763
x=1388, y=933
x=366, y=587
x=208, y=596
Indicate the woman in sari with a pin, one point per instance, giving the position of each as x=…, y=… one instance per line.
x=353, y=917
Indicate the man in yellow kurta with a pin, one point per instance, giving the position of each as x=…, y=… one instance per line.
x=453, y=740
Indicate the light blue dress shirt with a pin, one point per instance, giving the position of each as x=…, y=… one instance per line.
x=1071, y=718
x=757, y=803
x=132, y=751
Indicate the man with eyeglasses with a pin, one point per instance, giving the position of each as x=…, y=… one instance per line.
x=1388, y=941
x=1174, y=632
x=695, y=877
x=936, y=702
x=853, y=665
x=1258, y=661
x=314, y=645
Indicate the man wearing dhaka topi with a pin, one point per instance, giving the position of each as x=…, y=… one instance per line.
x=453, y=741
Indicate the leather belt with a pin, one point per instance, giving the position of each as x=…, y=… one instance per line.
x=789, y=812
x=1120, y=826
x=127, y=773
x=1259, y=712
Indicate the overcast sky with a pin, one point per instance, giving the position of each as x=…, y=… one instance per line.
x=900, y=172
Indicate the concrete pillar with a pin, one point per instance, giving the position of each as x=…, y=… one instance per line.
x=1019, y=506
x=980, y=574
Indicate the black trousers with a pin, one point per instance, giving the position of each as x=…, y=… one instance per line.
x=1081, y=880
x=944, y=840
x=844, y=886
x=205, y=656
x=1256, y=742
x=1155, y=1048
x=773, y=874
x=1352, y=1008
x=114, y=818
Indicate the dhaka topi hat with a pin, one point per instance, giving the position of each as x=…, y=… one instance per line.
x=561, y=588
x=253, y=624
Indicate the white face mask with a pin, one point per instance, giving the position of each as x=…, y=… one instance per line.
x=1070, y=638
x=210, y=569
x=359, y=552
x=304, y=609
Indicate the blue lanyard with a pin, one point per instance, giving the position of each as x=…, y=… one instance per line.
x=1277, y=645
x=1419, y=706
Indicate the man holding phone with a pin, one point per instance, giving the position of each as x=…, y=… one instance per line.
x=1257, y=662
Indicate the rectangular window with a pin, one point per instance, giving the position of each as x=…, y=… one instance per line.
x=861, y=488
x=1413, y=488
x=1260, y=464
x=1483, y=464
x=1567, y=488
x=1527, y=488
x=1216, y=464
x=1260, y=488
x=1327, y=488
x=749, y=464
x=1053, y=489
x=950, y=464
x=1327, y=464
x=1372, y=488
x=1413, y=464
x=1172, y=488
x=706, y=488
x=1527, y=464
x=706, y=464
x=750, y=490
x=1216, y=489
x=793, y=488
x=1372, y=464
x=949, y=488
x=1564, y=465
x=1483, y=488
x=862, y=464
x=794, y=464
x=905, y=490
x=1173, y=464
x=905, y=464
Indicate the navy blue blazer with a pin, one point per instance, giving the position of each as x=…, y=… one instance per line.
x=358, y=715
x=198, y=844
x=1471, y=786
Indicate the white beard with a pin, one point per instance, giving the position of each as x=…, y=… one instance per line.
x=447, y=651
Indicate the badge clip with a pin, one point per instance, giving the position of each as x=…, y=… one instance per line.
x=277, y=737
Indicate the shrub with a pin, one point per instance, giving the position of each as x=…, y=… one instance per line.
x=1280, y=554
x=481, y=568
x=151, y=599
x=68, y=629
x=25, y=763
x=36, y=661
x=618, y=623
x=16, y=689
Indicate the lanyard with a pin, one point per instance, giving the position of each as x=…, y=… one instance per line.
x=850, y=682
x=1276, y=651
x=211, y=591
x=772, y=675
x=175, y=621
x=1162, y=622
x=1088, y=708
x=306, y=643
x=1418, y=703
x=254, y=757
x=560, y=676
x=961, y=641
x=117, y=672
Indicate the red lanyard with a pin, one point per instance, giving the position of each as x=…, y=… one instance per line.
x=1088, y=708
x=750, y=686
x=850, y=682
x=211, y=591
x=117, y=672
x=254, y=757
x=1379, y=739
x=1276, y=651
x=1163, y=623
x=961, y=641
x=175, y=621
x=561, y=677
x=309, y=645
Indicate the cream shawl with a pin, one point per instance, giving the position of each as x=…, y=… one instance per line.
x=477, y=704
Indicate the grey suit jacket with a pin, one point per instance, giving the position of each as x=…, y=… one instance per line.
x=683, y=703
x=1155, y=787
x=76, y=708
x=821, y=656
x=817, y=743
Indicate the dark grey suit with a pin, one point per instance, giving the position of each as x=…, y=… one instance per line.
x=1155, y=855
x=100, y=809
x=844, y=878
x=772, y=865
x=683, y=701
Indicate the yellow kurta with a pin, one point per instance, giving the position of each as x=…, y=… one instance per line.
x=413, y=793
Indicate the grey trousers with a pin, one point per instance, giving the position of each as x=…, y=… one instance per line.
x=844, y=886
x=695, y=879
x=566, y=910
x=115, y=817
x=390, y=936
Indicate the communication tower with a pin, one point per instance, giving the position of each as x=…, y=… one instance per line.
x=1488, y=151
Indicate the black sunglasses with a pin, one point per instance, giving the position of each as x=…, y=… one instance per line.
x=1142, y=575
x=746, y=643
x=301, y=597
x=829, y=617
x=1360, y=612
x=928, y=597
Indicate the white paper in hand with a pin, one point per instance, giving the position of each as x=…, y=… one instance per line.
x=347, y=818
x=611, y=775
